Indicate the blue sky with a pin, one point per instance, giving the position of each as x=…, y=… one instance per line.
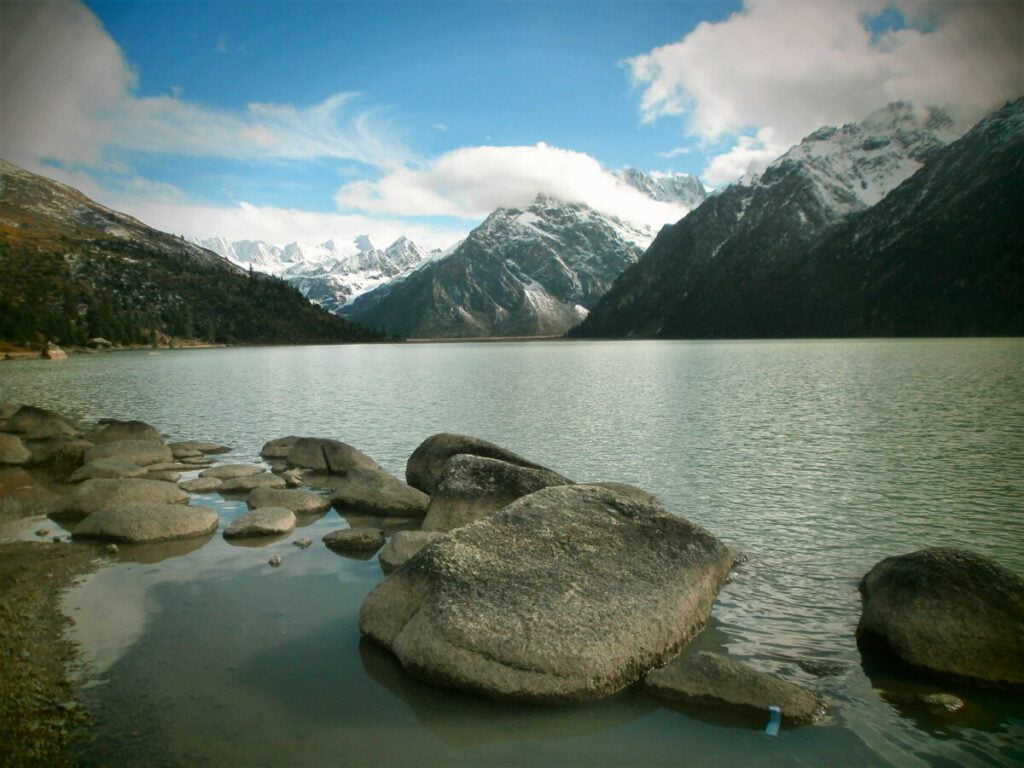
x=307, y=120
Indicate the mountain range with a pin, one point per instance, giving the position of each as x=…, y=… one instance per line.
x=877, y=228
x=74, y=270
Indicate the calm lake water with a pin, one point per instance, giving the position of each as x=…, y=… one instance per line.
x=816, y=458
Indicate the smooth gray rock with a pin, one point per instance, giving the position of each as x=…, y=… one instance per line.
x=630, y=491
x=355, y=539
x=472, y=487
x=423, y=469
x=329, y=456
x=38, y=424
x=278, y=449
x=299, y=502
x=402, y=545
x=230, y=471
x=248, y=483
x=147, y=523
x=568, y=594
x=106, y=468
x=192, y=448
x=90, y=496
x=12, y=450
x=201, y=484
x=292, y=478
x=114, y=430
x=950, y=613
x=707, y=678
x=266, y=521
x=141, y=452
x=164, y=474
x=378, y=493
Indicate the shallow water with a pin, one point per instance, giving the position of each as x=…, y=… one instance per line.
x=816, y=458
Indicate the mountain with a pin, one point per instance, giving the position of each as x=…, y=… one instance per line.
x=530, y=271
x=666, y=187
x=845, y=234
x=73, y=270
x=330, y=274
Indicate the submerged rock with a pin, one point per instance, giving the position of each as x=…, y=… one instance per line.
x=141, y=452
x=355, y=539
x=402, y=545
x=299, y=502
x=707, y=678
x=147, y=523
x=567, y=594
x=472, y=487
x=948, y=612
x=423, y=469
x=378, y=493
x=266, y=521
x=93, y=495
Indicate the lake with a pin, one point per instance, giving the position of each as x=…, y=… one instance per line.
x=817, y=458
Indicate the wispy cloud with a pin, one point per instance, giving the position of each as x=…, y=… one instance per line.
x=794, y=65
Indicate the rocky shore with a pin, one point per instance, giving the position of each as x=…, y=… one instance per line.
x=501, y=576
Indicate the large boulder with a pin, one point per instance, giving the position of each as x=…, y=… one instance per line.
x=948, y=612
x=299, y=502
x=378, y=493
x=402, y=545
x=93, y=495
x=423, y=469
x=267, y=521
x=13, y=450
x=472, y=487
x=38, y=424
x=567, y=594
x=147, y=523
x=331, y=456
x=141, y=452
x=64, y=454
x=278, y=449
x=113, y=430
x=707, y=678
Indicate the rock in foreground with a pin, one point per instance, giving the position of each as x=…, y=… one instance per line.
x=378, y=493
x=355, y=540
x=93, y=495
x=147, y=523
x=567, y=594
x=949, y=612
x=707, y=678
x=266, y=521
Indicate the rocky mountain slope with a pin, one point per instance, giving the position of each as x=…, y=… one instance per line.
x=872, y=228
x=666, y=187
x=530, y=271
x=73, y=269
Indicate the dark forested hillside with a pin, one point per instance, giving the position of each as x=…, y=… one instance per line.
x=73, y=270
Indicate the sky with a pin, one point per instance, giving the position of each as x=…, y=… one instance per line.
x=308, y=121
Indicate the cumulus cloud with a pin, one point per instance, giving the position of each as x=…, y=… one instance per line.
x=469, y=183
x=794, y=65
x=69, y=95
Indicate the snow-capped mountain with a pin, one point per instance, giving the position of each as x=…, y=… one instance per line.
x=529, y=271
x=666, y=187
x=331, y=273
x=813, y=247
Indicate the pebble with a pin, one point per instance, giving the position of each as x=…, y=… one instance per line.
x=43, y=532
x=111, y=549
x=276, y=560
x=303, y=543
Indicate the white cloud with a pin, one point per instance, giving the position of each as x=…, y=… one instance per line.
x=469, y=183
x=750, y=154
x=68, y=94
x=794, y=65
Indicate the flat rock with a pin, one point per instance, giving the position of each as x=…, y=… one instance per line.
x=378, y=493
x=164, y=474
x=106, y=468
x=355, y=539
x=472, y=487
x=402, y=545
x=423, y=469
x=568, y=594
x=147, y=523
x=266, y=521
x=331, y=456
x=229, y=471
x=949, y=613
x=299, y=502
x=13, y=450
x=707, y=678
x=248, y=483
x=90, y=496
x=38, y=423
x=141, y=452
x=193, y=448
x=278, y=449
x=114, y=430
x=201, y=484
